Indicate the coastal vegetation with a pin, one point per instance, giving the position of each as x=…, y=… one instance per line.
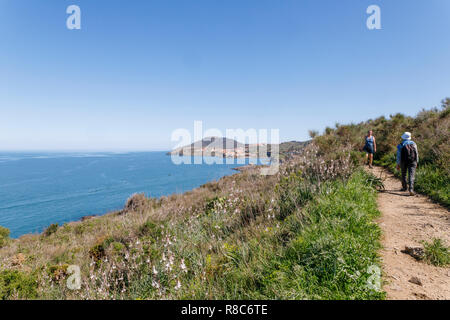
x=437, y=253
x=307, y=232
x=4, y=236
x=430, y=130
x=245, y=236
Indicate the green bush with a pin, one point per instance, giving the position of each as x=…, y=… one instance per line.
x=4, y=236
x=434, y=182
x=15, y=284
x=437, y=253
x=151, y=230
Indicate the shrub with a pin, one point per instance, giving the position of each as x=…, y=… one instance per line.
x=4, y=236
x=16, y=284
x=214, y=204
x=58, y=272
x=150, y=229
x=51, y=229
x=136, y=203
x=97, y=252
x=437, y=253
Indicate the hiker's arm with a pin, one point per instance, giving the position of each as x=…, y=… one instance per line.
x=374, y=145
x=417, y=152
x=399, y=156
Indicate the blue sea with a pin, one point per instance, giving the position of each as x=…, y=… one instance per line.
x=38, y=189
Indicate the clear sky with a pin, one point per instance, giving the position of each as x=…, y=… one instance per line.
x=137, y=70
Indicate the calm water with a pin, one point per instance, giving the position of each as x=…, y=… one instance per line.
x=37, y=190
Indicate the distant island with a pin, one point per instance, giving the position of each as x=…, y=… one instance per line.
x=230, y=148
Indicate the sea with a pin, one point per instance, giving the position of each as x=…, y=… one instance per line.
x=41, y=188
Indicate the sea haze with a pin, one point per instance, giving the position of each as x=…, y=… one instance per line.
x=38, y=189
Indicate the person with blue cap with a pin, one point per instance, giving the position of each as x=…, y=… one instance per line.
x=407, y=160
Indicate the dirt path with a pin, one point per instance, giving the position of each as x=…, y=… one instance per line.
x=406, y=221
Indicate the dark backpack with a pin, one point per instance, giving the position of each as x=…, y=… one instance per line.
x=409, y=154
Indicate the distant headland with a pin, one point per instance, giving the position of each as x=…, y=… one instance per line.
x=230, y=148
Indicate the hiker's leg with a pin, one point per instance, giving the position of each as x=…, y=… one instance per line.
x=412, y=176
x=371, y=159
x=404, y=169
x=367, y=156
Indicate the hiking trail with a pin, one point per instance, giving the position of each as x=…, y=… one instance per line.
x=406, y=221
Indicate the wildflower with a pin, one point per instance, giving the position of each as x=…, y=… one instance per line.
x=155, y=272
x=178, y=286
x=183, y=266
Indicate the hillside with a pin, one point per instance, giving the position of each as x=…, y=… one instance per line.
x=307, y=232
x=215, y=146
x=224, y=147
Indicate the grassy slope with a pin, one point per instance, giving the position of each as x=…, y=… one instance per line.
x=304, y=233
x=323, y=251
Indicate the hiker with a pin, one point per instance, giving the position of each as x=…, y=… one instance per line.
x=407, y=160
x=370, y=147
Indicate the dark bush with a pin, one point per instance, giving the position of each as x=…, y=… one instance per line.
x=51, y=229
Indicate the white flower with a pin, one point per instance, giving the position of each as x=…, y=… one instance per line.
x=178, y=286
x=183, y=266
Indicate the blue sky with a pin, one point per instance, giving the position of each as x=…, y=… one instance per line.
x=137, y=70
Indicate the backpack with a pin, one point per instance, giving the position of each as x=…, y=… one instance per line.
x=408, y=154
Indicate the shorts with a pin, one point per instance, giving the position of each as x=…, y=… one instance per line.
x=368, y=149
